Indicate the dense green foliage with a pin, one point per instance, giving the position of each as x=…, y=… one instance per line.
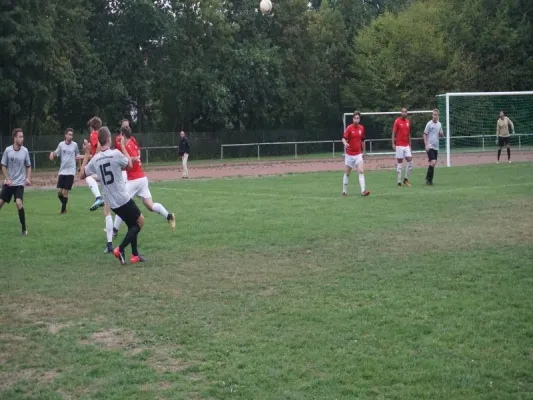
x=216, y=65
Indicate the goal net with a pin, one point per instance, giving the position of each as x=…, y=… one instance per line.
x=469, y=120
x=378, y=129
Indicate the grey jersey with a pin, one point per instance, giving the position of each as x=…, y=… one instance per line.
x=108, y=166
x=16, y=162
x=67, y=153
x=433, y=130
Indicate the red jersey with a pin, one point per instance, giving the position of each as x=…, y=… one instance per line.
x=136, y=171
x=118, y=139
x=94, y=142
x=402, y=129
x=355, y=136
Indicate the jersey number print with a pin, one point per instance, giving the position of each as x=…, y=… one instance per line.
x=108, y=177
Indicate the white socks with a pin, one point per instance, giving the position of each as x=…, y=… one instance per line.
x=93, y=186
x=118, y=222
x=109, y=228
x=362, y=182
x=158, y=208
x=345, y=184
x=399, y=168
x=409, y=168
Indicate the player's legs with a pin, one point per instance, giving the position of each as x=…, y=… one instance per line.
x=409, y=162
x=93, y=185
x=134, y=219
x=349, y=164
x=399, y=168
x=184, y=161
x=108, y=229
x=508, y=149
x=500, y=146
x=19, y=196
x=143, y=192
x=131, y=188
x=432, y=161
x=361, y=169
x=5, y=195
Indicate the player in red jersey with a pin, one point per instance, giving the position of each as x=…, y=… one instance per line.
x=95, y=124
x=354, y=141
x=401, y=144
x=118, y=139
x=137, y=184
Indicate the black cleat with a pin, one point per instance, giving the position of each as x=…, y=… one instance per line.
x=115, y=233
x=399, y=184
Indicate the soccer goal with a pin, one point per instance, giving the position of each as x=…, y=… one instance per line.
x=378, y=128
x=469, y=120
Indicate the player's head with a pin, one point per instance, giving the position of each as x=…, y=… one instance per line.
x=95, y=123
x=68, y=135
x=104, y=136
x=435, y=115
x=404, y=112
x=356, y=117
x=182, y=134
x=124, y=122
x=18, y=137
x=502, y=114
x=126, y=131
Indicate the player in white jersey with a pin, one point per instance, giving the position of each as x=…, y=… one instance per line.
x=432, y=134
x=108, y=165
x=137, y=183
x=68, y=152
x=16, y=167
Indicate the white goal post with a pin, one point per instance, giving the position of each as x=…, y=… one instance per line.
x=476, y=113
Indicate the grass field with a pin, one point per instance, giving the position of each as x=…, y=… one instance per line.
x=278, y=288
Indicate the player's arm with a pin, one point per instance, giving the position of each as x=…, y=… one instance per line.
x=55, y=154
x=497, y=131
x=6, y=176
x=426, y=131
x=86, y=156
x=511, y=125
x=28, y=168
x=345, y=138
x=394, y=136
x=363, y=138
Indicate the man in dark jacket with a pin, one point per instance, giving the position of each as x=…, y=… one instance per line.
x=184, y=153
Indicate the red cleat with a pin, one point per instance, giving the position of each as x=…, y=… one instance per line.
x=137, y=259
x=365, y=193
x=120, y=255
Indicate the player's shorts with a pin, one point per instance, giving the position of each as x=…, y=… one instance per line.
x=129, y=213
x=65, y=182
x=9, y=192
x=503, y=141
x=403, y=152
x=353, y=161
x=433, y=154
x=125, y=176
x=139, y=187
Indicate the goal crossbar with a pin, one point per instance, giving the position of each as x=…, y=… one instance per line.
x=466, y=94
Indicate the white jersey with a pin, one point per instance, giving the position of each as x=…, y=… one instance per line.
x=108, y=166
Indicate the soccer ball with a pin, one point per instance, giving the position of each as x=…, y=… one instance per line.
x=265, y=6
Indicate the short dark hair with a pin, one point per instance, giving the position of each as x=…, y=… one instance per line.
x=356, y=112
x=15, y=132
x=69, y=130
x=103, y=135
x=503, y=112
x=126, y=131
x=124, y=120
x=95, y=123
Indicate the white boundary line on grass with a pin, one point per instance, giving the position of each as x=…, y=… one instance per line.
x=397, y=192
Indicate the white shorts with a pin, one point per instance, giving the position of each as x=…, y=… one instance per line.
x=139, y=187
x=125, y=176
x=403, y=152
x=353, y=161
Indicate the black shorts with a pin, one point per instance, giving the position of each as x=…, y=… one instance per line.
x=129, y=213
x=503, y=141
x=65, y=182
x=433, y=154
x=12, y=191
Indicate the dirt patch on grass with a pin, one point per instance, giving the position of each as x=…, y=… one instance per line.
x=11, y=378
x=55, y=327
x=112, y=339
x=162, y=360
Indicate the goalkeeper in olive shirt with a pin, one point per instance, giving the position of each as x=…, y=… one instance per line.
x=502, y=135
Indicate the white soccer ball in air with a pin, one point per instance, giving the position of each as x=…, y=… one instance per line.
x=265, y=6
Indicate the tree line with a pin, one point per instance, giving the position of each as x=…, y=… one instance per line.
x=221, y=66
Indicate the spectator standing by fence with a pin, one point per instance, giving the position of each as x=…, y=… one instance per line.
x=184, y=153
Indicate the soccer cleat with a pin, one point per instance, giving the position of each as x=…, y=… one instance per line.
x=406, y=182
x=63, y=212
x=137, y=259
x=497, y=162
x=108, y=249
x=509, y=161
x=97, y=204
x=120, y=255
x=24, y=233
x=399, y=184
x=172, y=221
x=365, y=193
x=344, y=194
x=115, y=232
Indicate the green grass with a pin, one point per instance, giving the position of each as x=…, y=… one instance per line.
x=278, y=288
